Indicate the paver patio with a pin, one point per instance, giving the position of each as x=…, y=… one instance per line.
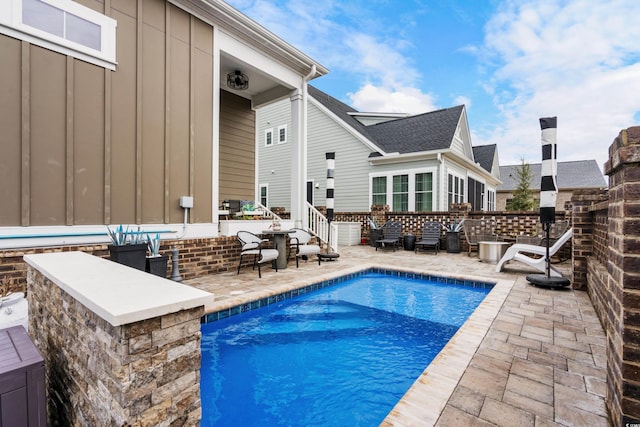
x=539, y=361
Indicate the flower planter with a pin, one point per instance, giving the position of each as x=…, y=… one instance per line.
x=453, y=242
x=133, y=256
x=157, y=265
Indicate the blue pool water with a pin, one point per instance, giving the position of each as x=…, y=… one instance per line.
x=341, y=356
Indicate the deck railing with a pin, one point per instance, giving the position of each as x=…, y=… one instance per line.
x=318, y=225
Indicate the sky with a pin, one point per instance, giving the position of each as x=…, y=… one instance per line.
x=510, y=62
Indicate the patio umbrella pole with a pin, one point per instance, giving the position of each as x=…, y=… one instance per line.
x=331, y=165
x=548, y=196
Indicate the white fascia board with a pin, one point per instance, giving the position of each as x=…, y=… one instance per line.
x=472, y=168
x=219, y=14
x=407, y=157
x=366, y=141
x=257, y=59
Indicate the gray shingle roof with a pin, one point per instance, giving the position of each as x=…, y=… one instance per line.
x=571, y=175
x=484, y=154
x=422, y=132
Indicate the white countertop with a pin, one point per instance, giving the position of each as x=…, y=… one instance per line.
x=117, y=293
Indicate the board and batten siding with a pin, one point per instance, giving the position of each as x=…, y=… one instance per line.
x=82, y=145
x=277, y=157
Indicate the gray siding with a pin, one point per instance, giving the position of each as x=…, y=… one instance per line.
x=352, y=164
x=277, y=157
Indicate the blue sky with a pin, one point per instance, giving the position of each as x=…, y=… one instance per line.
x=510, y=62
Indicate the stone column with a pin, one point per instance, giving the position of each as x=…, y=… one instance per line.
x=623, y=267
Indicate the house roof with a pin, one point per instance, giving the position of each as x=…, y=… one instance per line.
x=571, y=175
x=484, y=154
x=413, y=134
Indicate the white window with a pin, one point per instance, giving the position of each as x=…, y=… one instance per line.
x=264, y=195
x=62, y=26
x=400, y=193
x=268, y=137
x=491, y=200
x=455, y=189
x=282, y=134
x=379, y=190
x=404, y=191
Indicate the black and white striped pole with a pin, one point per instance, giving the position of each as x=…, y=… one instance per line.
x=548, y=197
x=331, y=169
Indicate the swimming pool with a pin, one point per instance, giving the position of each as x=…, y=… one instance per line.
x=340, y=356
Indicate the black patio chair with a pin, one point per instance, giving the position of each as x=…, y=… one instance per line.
x=430, y=236
x=390, y=235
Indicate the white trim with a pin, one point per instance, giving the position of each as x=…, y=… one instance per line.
x=412, y=185
x=11, y=24
x=345, y=126
x=282, y=127
x=267, y=133
x=260, y=187
x=64, y=235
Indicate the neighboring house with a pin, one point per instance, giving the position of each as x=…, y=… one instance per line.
x=410, y=163
x=111, y=111
x=572, y=176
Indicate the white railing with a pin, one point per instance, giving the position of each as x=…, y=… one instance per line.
x=318, y=225
x=266, y=213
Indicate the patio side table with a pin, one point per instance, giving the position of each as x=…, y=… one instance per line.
x=491, y=252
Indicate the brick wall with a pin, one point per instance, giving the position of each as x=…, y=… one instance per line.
x=144, y=373
x=623, y=267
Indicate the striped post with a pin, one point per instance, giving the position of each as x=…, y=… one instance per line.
x=331, y=168
x=548, y=173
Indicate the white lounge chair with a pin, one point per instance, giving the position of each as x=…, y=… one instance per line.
x=517, y=253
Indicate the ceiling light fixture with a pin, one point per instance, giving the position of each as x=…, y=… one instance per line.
x=237, y=80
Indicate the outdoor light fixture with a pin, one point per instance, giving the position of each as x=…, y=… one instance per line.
x=237, y=80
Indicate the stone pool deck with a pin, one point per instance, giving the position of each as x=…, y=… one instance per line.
x=527, y=357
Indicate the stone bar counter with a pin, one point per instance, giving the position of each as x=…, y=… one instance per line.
x=121, y=346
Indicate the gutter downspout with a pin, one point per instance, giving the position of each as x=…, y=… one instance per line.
x=443, y=191
x=305, y=95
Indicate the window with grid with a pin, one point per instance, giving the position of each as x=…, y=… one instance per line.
x=455, y=189
x=491, y=200
x=282, y=134
x=268, y=137
x=424, y=192
x=379, y=190
x=264, y=192
x=400, y=193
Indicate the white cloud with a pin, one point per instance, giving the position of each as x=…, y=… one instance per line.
x=372, y=98
x=577, y=60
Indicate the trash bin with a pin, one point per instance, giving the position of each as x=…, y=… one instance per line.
x=374, y=235
x=409, y=242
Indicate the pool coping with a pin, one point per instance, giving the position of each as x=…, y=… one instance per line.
x=424, y=401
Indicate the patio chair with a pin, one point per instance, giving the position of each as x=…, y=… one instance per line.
x=252, y=245
x=479, y=230
x=300, y=242
x=555, y=232
x=517, y=253
x=430, y=236
x=390, y=235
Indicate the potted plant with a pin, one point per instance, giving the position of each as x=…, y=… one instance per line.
x=156, y=263
x=453, y=236
x=127, y=247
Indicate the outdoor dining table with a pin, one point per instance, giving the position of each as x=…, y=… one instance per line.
x=280, y=240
